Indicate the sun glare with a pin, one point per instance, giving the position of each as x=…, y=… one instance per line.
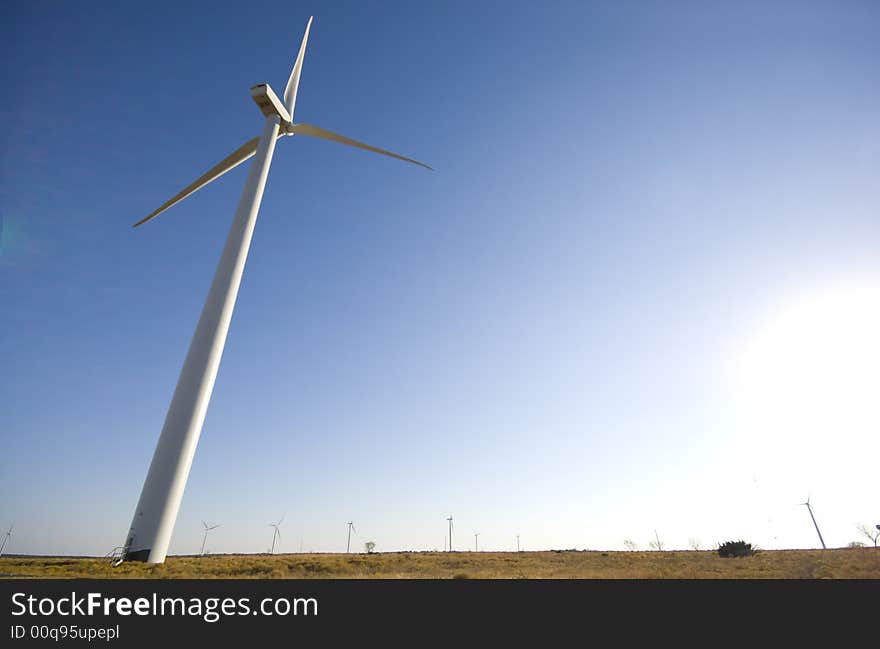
x=813, y=372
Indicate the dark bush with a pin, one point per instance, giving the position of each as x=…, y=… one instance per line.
x=736, y=549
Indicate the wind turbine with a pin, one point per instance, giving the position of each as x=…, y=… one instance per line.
x=207, y=529
x=810, y=509
x=350, y=528
x=476, y=534
x=517, y=543
x=450, y=532
x=156, y=511
x=5, y=539
x=275, y=534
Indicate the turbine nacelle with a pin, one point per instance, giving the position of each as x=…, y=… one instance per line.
x=269, y=103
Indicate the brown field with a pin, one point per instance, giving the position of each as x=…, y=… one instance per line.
x=856, y=563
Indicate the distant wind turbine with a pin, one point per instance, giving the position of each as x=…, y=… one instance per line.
x=450, y=532
x=517, y=543
x=208, y=528
x=5, y=539
x=156, y=512
x=476, y=548
x=810, y=509
x=275, y=534
x=350, y=528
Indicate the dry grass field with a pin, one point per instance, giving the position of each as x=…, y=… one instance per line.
x=856, y=563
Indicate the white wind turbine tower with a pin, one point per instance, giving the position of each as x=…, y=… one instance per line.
x=156, y=511
x=208, y=528
x=476, y=548
x=810, y=509
x=350, y=528
x=5, y=539
x=275, y=534
x=450, y=532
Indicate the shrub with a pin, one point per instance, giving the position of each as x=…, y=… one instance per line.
x=736, y=549
x=856, y=544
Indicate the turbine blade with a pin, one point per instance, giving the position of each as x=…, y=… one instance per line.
x=315, y=131
x=229, y=162
x=293, y=81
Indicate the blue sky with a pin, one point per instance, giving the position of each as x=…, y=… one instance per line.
x=638, y=292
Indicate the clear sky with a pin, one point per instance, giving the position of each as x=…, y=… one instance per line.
x=640, y=292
